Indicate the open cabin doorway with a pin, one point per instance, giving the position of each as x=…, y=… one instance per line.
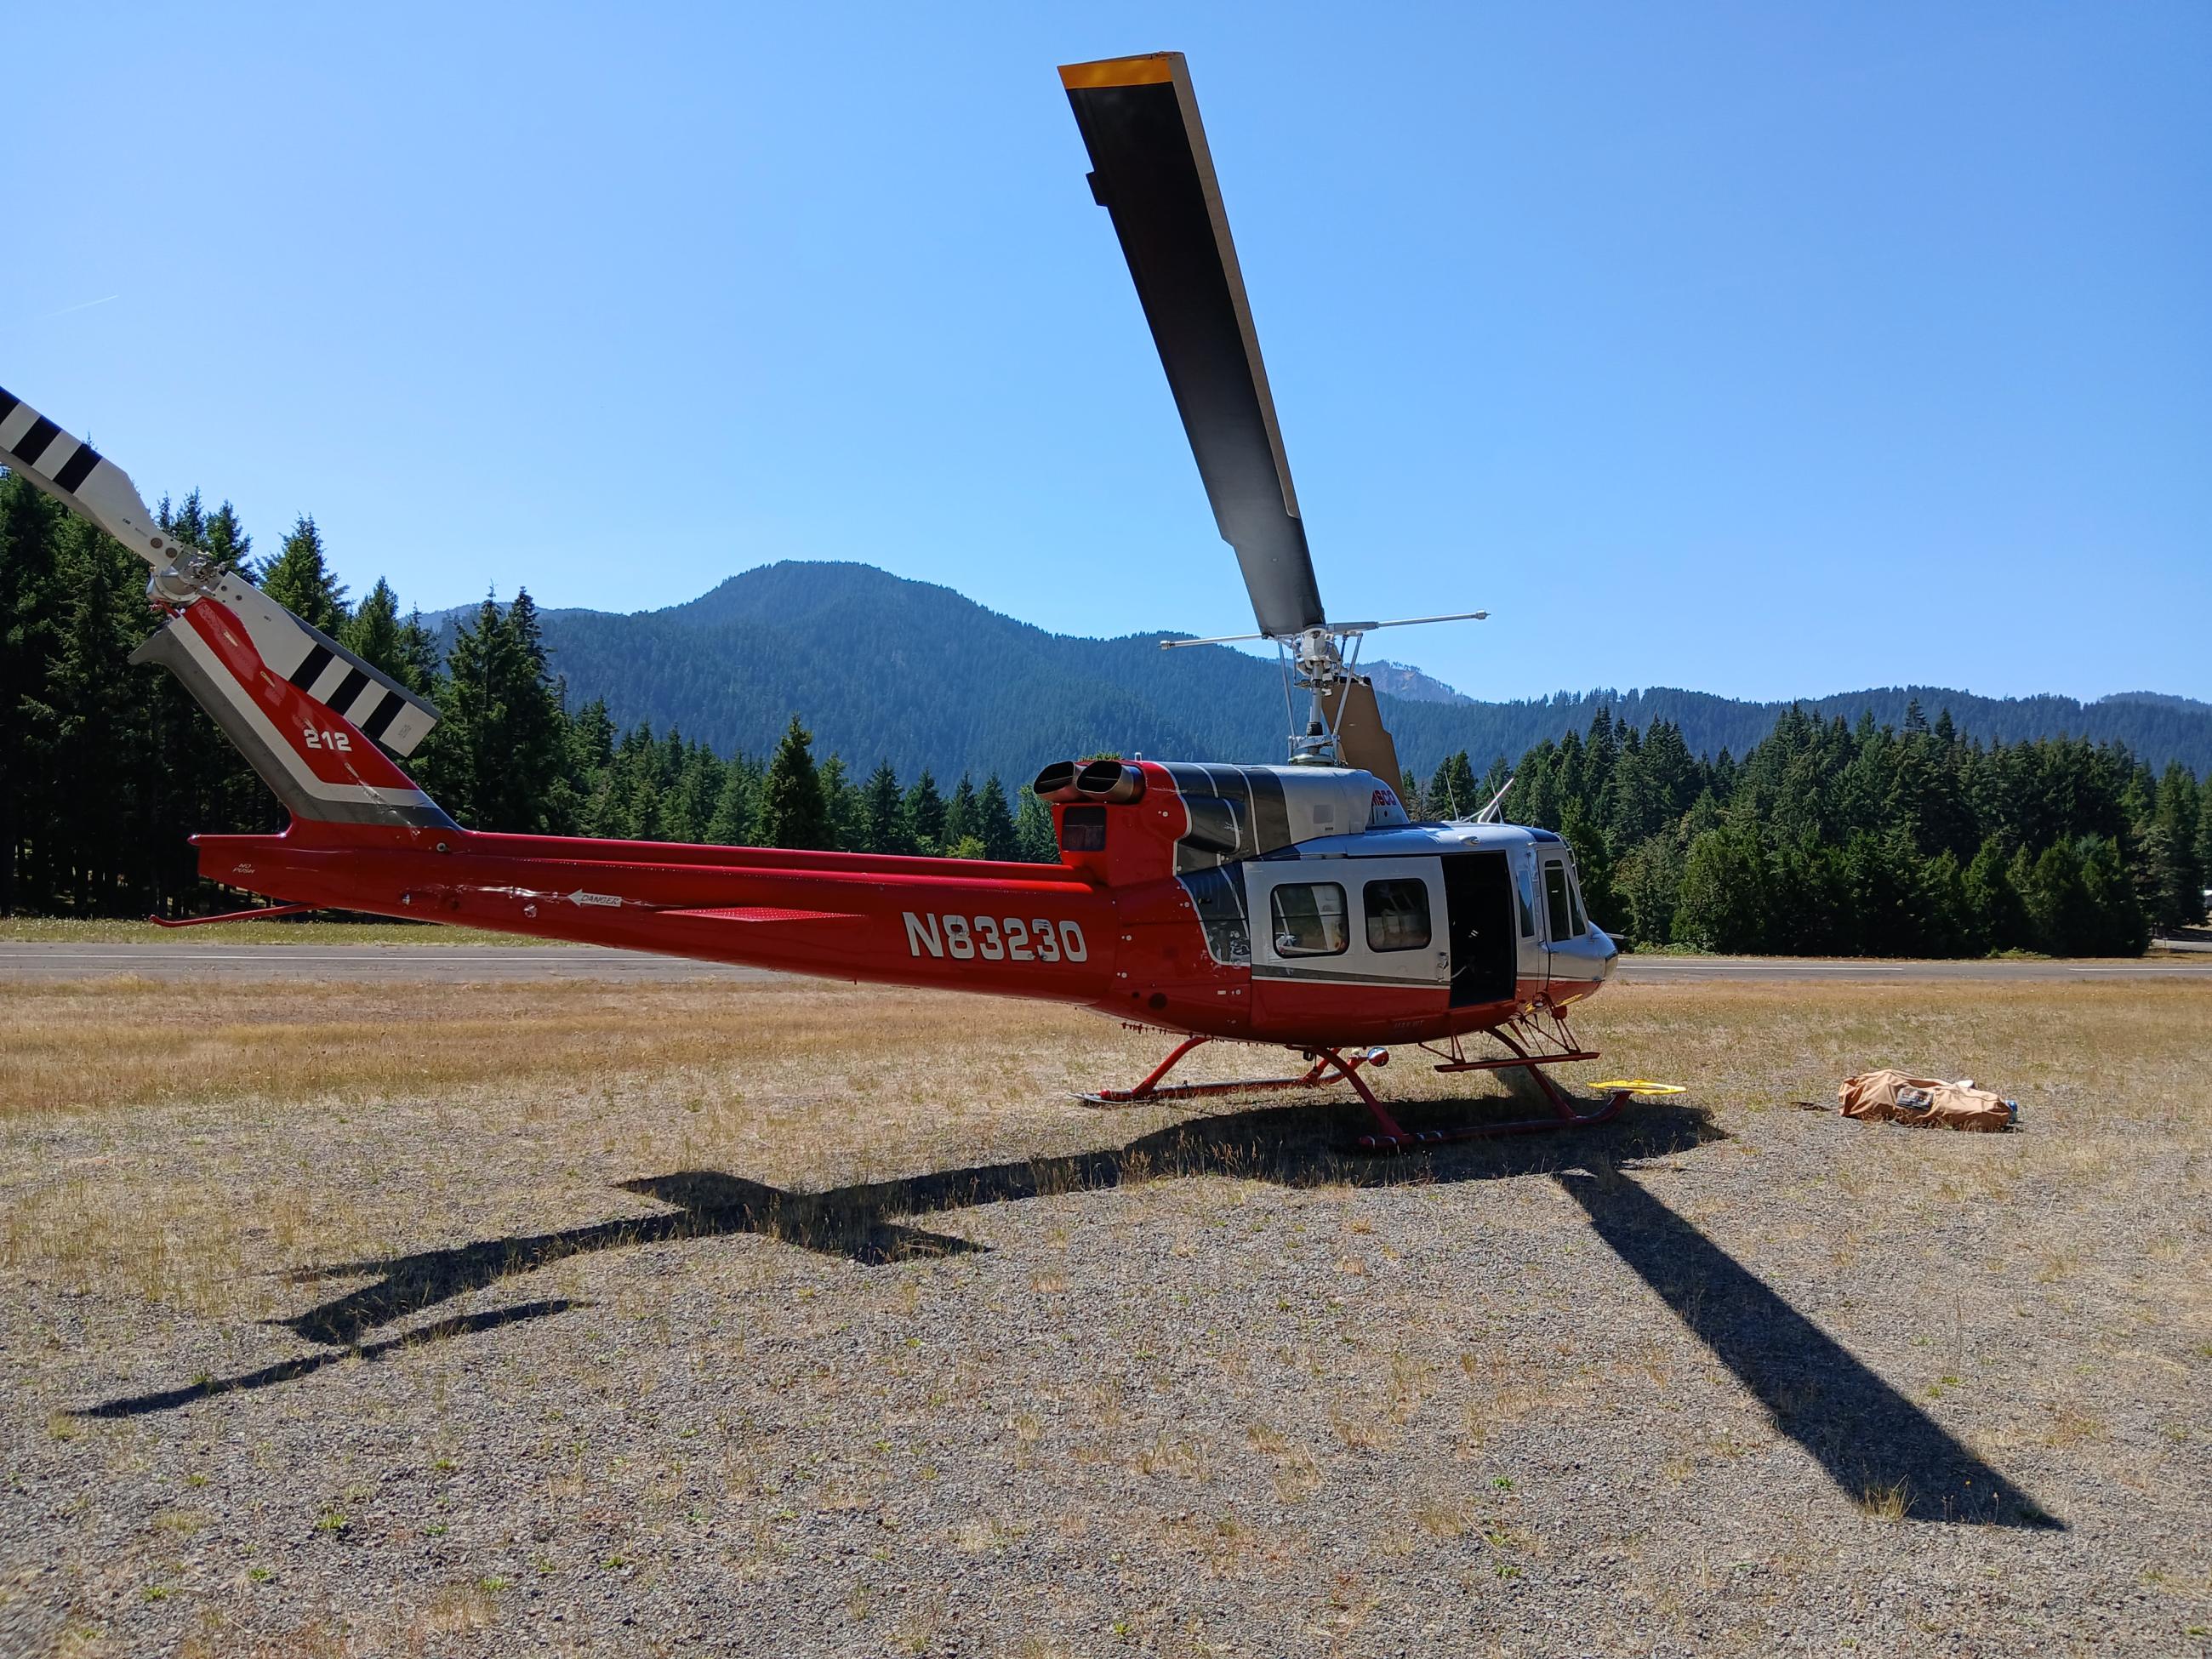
x=1478, y=898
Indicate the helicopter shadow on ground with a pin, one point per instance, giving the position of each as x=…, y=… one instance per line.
x=1878, y=1446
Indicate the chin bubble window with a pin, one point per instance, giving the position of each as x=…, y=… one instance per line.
x=1309, y=920
x=1397, y=915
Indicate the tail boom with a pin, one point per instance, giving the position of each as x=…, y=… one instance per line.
x=1013, y=929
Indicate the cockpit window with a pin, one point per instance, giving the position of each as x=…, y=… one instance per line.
x=1524, y=887
x=1558, y=906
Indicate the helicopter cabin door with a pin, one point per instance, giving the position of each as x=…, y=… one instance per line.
x=1349, y=921
x=1478, y=896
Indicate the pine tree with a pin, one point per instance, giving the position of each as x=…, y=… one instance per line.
x=373, y=632
x=1033, y=832
x=299, y=579
x=498, y=759
x=924, y=815
x=30, y=623
x=1995, y=920
x=2204, y=836
x=2114, y=923
x=1646, y=883
x=2170, y=851
x=1593, y=863
x=841, y=801
x=960, y=817
x=185, y=522
x=1722, y=905
x=1452, y=791
x=1409, y=795
x=2058, y=911
x=994, y=823
x=92, y=720
x=792, y=812
x=732, y=824
x=416, y=655
x=883, y=813
x=227, y=544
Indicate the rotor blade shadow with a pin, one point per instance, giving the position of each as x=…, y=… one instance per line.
x=1293, y=1146
x=288, y=1370
x=1876, y=1444
x=711, y=1205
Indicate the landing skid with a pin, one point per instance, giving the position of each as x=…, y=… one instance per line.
x=1541, y=1042
x=1324, y=1059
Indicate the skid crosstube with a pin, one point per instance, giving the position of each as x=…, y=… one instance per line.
x=1389, y=1135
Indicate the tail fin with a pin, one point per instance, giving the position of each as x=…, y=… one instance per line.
x=307, y=712
x=322, y=766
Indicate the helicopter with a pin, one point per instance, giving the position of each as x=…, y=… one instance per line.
x=1296, y=905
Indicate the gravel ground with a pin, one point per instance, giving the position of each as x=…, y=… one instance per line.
x=806, y=1353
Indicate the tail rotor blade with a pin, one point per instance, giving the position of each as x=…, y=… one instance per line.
x=92, y=486
x=1153, y=173
x=79, y=476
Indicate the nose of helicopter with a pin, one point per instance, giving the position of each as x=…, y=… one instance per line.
x=1611, y=958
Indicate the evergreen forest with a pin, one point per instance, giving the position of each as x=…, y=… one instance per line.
x=1824, y=837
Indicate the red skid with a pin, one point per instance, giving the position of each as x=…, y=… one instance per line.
x=1316, y=1074
x=1391, y=1137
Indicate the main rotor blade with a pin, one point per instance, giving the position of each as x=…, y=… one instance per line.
x=1139, y=121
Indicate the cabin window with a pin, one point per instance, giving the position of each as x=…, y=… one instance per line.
x=1575, y=904
x=1082, y=828
x=1524, y=887
x=1556, y=902
x=1309, y=920
x=1397, y=915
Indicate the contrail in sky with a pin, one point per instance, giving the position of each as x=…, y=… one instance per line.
x=85, y=304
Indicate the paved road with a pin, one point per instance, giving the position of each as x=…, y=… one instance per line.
x=441, y=963
x=202, y=958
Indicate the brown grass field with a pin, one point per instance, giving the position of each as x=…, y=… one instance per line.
x=783, y=1317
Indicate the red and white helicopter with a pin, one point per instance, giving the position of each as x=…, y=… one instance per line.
x=1295, y=905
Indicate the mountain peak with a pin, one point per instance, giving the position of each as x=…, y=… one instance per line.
x=882, y=667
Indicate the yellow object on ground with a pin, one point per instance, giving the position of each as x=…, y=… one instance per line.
x=1639, y=1086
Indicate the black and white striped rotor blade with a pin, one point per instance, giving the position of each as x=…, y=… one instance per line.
x=93, y=487
x=1152, y=172
x=80, y=477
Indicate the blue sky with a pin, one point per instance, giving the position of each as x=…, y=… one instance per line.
x=1766, y=351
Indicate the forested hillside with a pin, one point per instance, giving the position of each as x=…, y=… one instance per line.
x=1884, y=833
x=924, y=676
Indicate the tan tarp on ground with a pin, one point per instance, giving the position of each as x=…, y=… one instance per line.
x=1953, y=1105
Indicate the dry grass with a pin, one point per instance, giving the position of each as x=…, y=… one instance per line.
x=1219, y=1373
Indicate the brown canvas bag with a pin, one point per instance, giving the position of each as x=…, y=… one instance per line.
x=1874, y=1096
